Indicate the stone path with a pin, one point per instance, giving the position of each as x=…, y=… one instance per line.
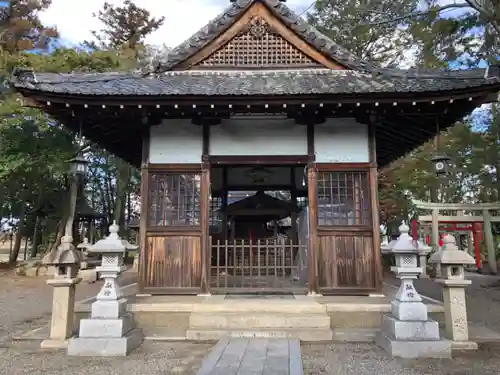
x=253, y=357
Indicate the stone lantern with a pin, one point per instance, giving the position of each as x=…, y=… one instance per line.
x=383, y=235
x=423, y=250
x=408, y=332
x=84, y=247
x=66, y=260
x=453, y=262
x=110, y=331
x=441, y=164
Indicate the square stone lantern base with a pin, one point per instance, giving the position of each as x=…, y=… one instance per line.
x=110, y=331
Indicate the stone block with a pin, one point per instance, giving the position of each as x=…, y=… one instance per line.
x=88, y=275
x=414, y=349
x=408, y=330
x=310, y=335
x=101, y=328
x=109, y=309
x=412, y=311
x=106, y=346
x=258, y=320
x=31, y=271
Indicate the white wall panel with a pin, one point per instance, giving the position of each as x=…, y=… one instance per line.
x=176, y=141
x=258, y=137
x=341, y=141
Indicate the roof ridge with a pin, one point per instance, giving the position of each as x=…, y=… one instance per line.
x=292, y=20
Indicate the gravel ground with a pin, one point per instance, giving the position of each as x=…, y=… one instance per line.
x=368, y=359
x=153, y=358
x=26, y=302
x=483, y=306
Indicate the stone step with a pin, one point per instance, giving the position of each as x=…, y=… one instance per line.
x=255, y=320
x=261, y=306
x=312, y=334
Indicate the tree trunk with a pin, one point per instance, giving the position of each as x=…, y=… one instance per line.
x=36, y=238
x=59, y=235
x=14, y=254
x=122, y=179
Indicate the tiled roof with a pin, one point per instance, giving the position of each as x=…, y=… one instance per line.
x=296, y=23
x=254, y=83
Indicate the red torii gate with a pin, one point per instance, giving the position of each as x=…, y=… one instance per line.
x=475, y=227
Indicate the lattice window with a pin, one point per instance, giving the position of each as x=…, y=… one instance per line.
x=215, y=217
x=174, y=199
x=343, y=198
x=258, y=46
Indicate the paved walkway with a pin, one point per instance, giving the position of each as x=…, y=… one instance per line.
x=253, y=357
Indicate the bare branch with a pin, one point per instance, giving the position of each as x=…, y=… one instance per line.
x=415, y=14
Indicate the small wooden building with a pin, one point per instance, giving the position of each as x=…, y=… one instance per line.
x=260, y=100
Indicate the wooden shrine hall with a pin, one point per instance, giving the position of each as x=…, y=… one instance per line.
x=259, y=101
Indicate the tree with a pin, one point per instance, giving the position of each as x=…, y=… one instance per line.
x=350, y=24
x=125, y=28
x=468, y=29
x=21, y=28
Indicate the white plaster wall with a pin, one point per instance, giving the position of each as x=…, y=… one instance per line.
x=341, y=141
x=175, y=141
x=258, y=137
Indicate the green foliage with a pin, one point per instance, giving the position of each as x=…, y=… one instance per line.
x=350, y=24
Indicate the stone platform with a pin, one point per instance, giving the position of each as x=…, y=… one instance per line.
x=323, y=318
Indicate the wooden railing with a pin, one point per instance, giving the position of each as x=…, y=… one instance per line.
x=262, y=264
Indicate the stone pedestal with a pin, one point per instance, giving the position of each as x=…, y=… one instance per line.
x=63, y=306
x=65, y=260
x=455, y=309
x=408, y=332
x=110, y=331
x=453, y=261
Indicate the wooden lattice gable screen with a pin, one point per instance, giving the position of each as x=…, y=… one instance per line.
x=257, y=40
x=258, y=45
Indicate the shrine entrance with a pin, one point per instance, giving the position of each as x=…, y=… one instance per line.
x=258, y=228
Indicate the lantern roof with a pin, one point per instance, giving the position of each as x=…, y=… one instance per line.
x=450, y=253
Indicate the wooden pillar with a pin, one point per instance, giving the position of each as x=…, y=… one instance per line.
x=374, y=204
x=224, y=204
x=312, y=266
x=293, y=215
x=144, y=215
x=206, y=249
x=490, y=243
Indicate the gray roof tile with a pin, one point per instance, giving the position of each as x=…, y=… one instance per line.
x=248, y=83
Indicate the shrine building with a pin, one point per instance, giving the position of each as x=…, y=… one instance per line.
x=259, y=141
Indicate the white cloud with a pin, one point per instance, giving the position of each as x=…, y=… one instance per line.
x=183, y=18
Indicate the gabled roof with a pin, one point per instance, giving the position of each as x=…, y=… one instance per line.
x=278, y=8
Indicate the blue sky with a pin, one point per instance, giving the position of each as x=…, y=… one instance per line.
x=182, y=17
